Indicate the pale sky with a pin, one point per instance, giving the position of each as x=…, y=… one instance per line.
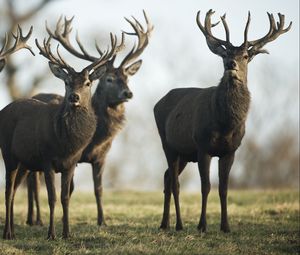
x=177, y=55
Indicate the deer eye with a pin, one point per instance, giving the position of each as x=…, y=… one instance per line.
x=246, y=57
x=88, y=83
x=109, y=79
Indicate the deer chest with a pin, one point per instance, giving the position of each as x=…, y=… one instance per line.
x=221, y=144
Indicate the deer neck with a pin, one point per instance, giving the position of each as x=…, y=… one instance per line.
x=76, y=126
x=232, y=101
x=110, y=118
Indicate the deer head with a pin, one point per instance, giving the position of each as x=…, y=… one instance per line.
x=114, y=83
x=236, y=59
x=77, y=84
x=20, y=43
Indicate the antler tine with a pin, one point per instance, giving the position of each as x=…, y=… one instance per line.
x=47, y=53
x=20, y=43
x=85, y=55
x=276, y=29
x=214, y=44
x=223, y=19
x=143, y=39
x=206, y=29
x=246, y=30
x=5, y=43
x=62, y=35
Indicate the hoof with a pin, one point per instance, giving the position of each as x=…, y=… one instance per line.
x=225, y=229
x=39, y=223
x=179, y=227
x=164, y=226
x=201, y=228
x=29, y=222
x=102, y=224
x=51, y=237
x=8, y=236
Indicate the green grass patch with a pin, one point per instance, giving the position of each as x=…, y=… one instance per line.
x=262, y=222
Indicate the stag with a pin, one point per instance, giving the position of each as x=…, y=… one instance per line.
x=108, y=104
x=50, y=137
x=19, y=43
x=196, y=124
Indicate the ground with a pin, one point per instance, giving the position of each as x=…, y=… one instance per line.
x=262, y=222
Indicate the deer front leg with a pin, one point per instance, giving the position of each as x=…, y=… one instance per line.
x=225, y=164
x=98, y=189
x=50, y=181
x=66, y=178
x=203, y=166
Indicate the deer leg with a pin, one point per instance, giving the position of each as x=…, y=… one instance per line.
x=165, y=223
x=50, y=184
x=225, y=164
x=66, y=178
x=174, y=170
x=30, y=212
x=36, y=193
x=203, y=165
x=22, y=173
x=98, y=189
x=9, y=189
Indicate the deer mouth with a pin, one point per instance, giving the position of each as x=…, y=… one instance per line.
x=74, y=104
x=233, y=74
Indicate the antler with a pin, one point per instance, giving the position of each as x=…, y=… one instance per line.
x=273, y=33
x=143, y=39
x=62, y=35
x=20, y=42
x=45, y=50
x=214, y=44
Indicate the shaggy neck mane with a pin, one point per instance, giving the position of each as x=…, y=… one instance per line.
x=233, y=101
x=110, y=119
x=75, y=125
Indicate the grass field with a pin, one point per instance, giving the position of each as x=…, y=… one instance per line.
x=262, y=222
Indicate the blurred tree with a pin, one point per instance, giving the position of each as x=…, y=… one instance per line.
x=13, y=15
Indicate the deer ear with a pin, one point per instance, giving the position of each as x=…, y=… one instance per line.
x=133, y=68
x=98, y=73
x=2, y=64
x=58, y=71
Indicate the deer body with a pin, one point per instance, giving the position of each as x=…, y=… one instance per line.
x=187, y=126
x=49, y=137
x=108, y=103
x=197, y=124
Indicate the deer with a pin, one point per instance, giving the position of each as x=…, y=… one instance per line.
x=50, y=137
x=108, y=102
x=19, y=43
x=196, y=124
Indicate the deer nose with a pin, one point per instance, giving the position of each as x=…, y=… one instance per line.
x=127, y=94
x=231, y=64
x=74, y=98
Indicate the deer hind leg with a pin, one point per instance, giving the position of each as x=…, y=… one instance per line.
x=203, y=165
x=225, y=164
x=10, y=176
x=165, y=223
